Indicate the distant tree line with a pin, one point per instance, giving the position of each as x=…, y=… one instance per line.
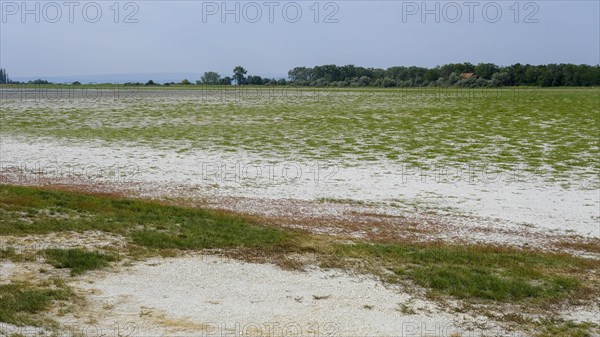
x=239, y=78
x=484, y=75
x=448, y=75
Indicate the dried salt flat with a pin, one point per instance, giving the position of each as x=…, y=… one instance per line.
x=548, y=207
x=214, y=296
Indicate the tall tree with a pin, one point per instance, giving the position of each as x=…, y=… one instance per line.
x=299, y=74
x=239, y=75
x=4, y=76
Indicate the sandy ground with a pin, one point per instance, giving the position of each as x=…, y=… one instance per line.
x=185, y=296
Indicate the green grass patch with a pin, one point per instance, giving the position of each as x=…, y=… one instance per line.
x=209, y=235
x=78, y=260
x=20, y=303
x=10, y=254
x=479, y=272
x=149, y=224
x=561, y=328
x=341, y=201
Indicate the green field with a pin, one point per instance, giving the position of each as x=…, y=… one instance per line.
x=552, y=131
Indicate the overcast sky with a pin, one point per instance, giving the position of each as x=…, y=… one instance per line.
x=191, y=37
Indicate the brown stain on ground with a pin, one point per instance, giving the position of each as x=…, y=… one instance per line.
x=174, y=324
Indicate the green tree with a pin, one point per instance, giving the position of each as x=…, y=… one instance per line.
x=225, y=80
x=185, y=82
x=517, y=73
x=432, y=75
x=500, y=79
x=299, y=74
x=255, y=80
x=486, y=70
x=364, y=81
x=239, y=75
x=531, y=75
x=210, y=77
x=489, y=74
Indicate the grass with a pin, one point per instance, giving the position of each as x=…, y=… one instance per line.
x=10, y=254
x=591, y=246
x=341, y=201
x=21, y=303
x=497, y=274
x=549, y=133
x=561, y=328
x=149, y=224
x=78, y=260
